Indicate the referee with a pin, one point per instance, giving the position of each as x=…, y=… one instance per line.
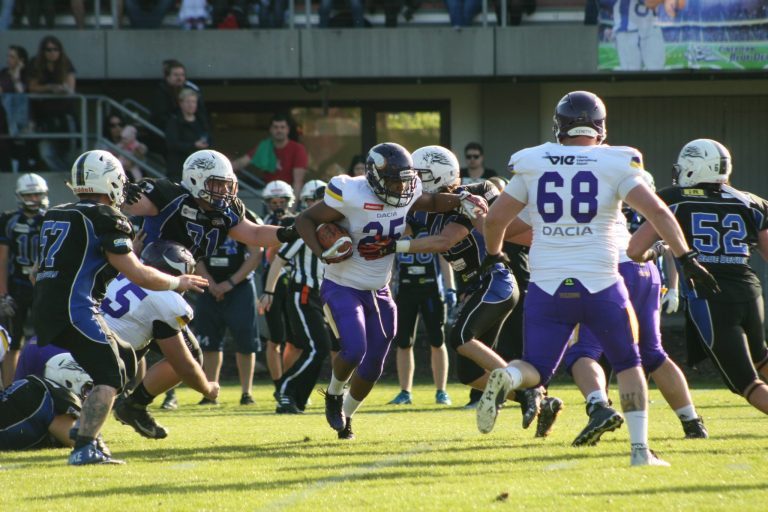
x=305, y=313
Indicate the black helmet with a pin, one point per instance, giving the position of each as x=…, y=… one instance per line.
x=169, y=257
x=580, y=113
x=386, y=164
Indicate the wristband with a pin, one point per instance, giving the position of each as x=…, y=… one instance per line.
x=402, y=245
x=173, y=282
x=231, y=282
x=265, y=292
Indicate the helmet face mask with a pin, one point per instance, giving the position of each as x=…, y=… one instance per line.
x=702, y=161
x=99, y=172
x=32, y=193
x=437, y=167
x=390, y=174
x=64, y=371
x=278, y=189
x=580, y=113
x=312, y=190
x=209, y=177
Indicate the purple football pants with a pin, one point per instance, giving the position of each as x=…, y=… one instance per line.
x=644, y=286
x=550, y=320
x=366, y=321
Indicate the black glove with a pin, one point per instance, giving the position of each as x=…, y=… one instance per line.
x=492, y=259
x=287, y=235
x=697, y=276
x=132, y=193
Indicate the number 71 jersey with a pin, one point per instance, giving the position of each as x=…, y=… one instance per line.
x=574, y=196
x=365, y=217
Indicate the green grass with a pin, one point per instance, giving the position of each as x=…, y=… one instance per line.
x=419, y=457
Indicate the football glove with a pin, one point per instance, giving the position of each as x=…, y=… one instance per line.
x=7, y=306
x=378, y=249
x=287, y=234
x=697, y=276
x=332, y=254
x=132, y=193
x=470, y=203
x=450, y=298
x=671, y=300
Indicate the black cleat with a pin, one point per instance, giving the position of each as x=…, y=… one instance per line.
x=135, y=415
x=246, y=399
x=287, y=405
x=530, y=404
x=602, y=419
x=334, y=414
x=694, y=429
x=207, y=401
x=346, y=432
x=169, y=402
x=550, y=409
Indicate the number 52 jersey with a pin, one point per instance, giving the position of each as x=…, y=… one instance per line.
x=574, y=196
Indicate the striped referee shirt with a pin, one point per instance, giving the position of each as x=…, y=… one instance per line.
x=307, y=269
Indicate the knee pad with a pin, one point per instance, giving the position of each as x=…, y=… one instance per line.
x=404, y=341
x=467, y=371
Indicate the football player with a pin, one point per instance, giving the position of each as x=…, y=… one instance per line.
x=723, y=224
x=639, y=38
x=83, y=245
x=574, y=190
x=355, y=294
x=19, y=238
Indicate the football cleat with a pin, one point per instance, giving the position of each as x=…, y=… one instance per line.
x=346, y=432
x=643, y=456
x=287, y=405
x=530, y=404
x=602, y=419
x=550, y=409
x=442, y=398
x=402, y=398
x=170, y=403
x=246, y=399
x=334, y=414
x=100, y=444
x=694, y=429
x=496, y=390
x=207, y=401
x=137, y=417
x=90, y=454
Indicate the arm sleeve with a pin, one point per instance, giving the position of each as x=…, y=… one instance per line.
x=517, y=188
x=334, y=194
x=161, y=330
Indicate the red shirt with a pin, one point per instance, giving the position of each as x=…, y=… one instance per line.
x=293, y=155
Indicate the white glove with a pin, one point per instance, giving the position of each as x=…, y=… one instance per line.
x=671, y=300
x=470, y=203
x=7, y=307
x=332, y=254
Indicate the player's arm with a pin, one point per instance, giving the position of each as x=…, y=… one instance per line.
x=471, y=205
x=275, y=268
x=138, y=204
x=252, y=234
x=4, y=255
x=298, y=180
x=308, y=220
x=451, y=234
x=519, y=232
x=250, y=264
x=501, y=213
x=186, y=367
x=152, y=279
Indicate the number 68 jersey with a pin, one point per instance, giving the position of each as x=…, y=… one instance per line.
x=574, y=196
x=365, y=217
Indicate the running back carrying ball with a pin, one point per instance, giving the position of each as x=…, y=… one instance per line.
x=336, y=242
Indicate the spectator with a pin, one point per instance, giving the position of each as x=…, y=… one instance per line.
x=230, y=14
x=34, y=8
x=147, y=13
x=113, y=129
x=462, y=12
x=356, y=7
x=165, y=102
x=272, y=13
x=357, y=166
x=185, y=133
x=130, y=144
x=53, y=73
x=277, y=157
x=14, y=114
x=475, y=171
x=6, y=14
x=193, y=14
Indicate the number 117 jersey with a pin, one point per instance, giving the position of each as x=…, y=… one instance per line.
x=574, y=196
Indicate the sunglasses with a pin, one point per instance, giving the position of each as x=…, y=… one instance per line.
x=116, y=125
x=52, y=49
x=473, y=156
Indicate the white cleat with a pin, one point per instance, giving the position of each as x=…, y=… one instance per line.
x=496, y=390
x=645, y=457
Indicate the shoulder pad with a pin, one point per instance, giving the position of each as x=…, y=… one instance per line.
x=110, y=219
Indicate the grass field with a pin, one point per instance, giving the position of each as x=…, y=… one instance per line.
x=419, y=457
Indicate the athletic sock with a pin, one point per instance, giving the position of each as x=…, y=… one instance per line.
x=516, y=375
x=637, y=424
x=686, y=413
x=336, y=387
x=141, y=396
x=597, y=396
x=350, y=405
x=277, y=384
x=83, y=441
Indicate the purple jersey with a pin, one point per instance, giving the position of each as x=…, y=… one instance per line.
x=33, y=358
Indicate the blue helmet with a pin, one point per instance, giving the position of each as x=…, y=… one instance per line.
x=169, y=257
x=580, y=113
x=390, y=173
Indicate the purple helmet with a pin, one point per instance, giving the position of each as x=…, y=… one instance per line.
x=169, y=257
x=390, y=173
x=580, y=113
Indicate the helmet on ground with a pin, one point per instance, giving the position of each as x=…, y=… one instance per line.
x=702, y=161
x=437, y=167
x=169, y=257
x=390, y=174
x=580, y=113
x=28, y=185
x=279, y=188
x=312, y=190
x=208, y=175
x=64, y=371
x=99, y=172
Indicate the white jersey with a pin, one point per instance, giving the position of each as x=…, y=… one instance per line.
x=365, y=216
x=5, y=343
x=130, y=311
x=574, y=195
x=633, y=16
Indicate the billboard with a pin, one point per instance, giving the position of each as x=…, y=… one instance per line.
x=658, y=35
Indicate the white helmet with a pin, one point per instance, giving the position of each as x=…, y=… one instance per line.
x=208, y=175
x=702, y=161
x=5, y=342
x=99, y=172
x=279, y=188
x=310, y=190
x=437, y=167
x=648, y=179
x=64, y=371
x=29, y=184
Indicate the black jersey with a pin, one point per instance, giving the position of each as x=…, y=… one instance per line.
x=73, y=268
x=229, y=256
x=181, y=220
x=467, y=256
x=723, y=225
x=21, y=234
x=416, y=269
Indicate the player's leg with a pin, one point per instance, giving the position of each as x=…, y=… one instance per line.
x=628, y=48
x=209, y=326
x=15, y=327
x=239, y=309
x=652, y=49
x=757, y=392
x=407, y=321
x=291, y=349
x=277, y=336
x=434, y=313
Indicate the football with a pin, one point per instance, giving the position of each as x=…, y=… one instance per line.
x=328, y=234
